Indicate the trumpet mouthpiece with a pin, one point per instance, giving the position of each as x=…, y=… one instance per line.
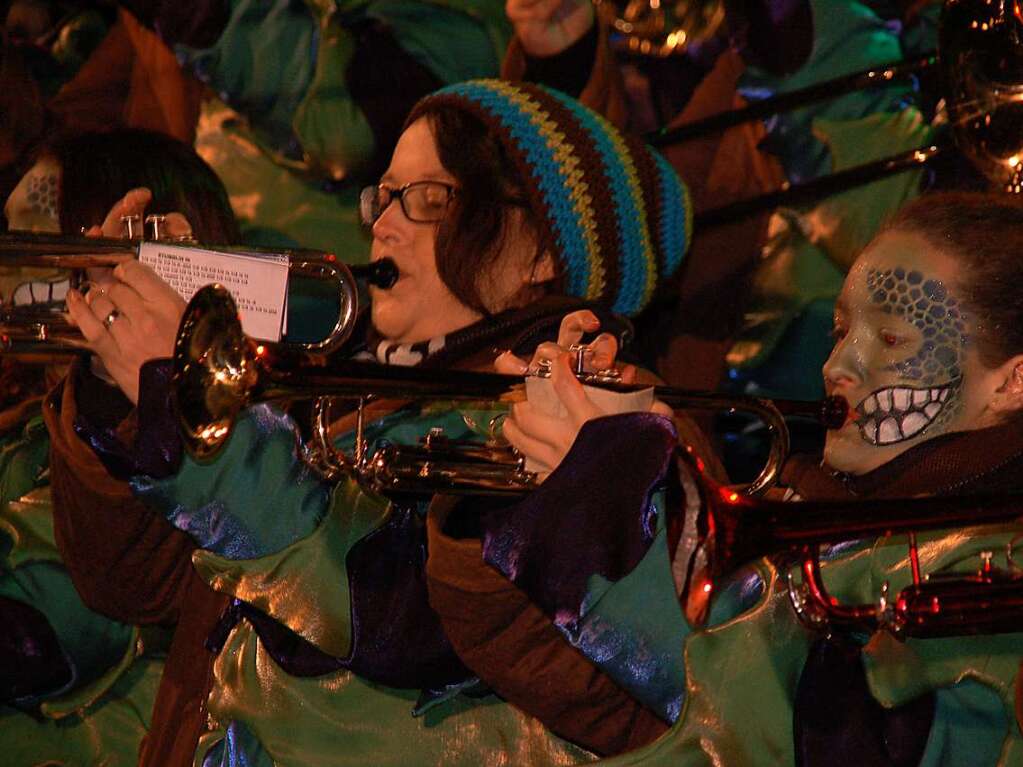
x=835, y=412
x=381, y=274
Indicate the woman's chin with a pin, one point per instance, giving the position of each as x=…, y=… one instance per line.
x=849, y=453
x=389, y=319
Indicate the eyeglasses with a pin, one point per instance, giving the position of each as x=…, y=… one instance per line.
x=422, y=202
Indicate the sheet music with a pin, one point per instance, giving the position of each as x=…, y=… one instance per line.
x=259, y=284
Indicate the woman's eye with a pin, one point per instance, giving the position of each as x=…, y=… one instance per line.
x=889, y=339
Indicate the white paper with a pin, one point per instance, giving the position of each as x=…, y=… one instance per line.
x=541, y=395
x=258, y=284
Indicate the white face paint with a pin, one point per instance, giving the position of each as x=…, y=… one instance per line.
x=902, y=355
x=33, y=205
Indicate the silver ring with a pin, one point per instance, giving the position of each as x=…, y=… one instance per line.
x=109, y=319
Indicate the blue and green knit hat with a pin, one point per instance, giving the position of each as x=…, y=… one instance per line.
x=614, y=212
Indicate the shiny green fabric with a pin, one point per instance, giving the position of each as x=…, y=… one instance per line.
x=807, y=253
x=633, y=628
x=741, y=675
x=275, y=205
x=105, y=732
x=339, y=718
x=848, y=36
x=305, y=586
x=30, y=568
x=282, y=66
x=101, y=715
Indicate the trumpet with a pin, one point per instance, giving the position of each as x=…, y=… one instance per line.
x=734, y=529
x=41, y=331
x=219, y=371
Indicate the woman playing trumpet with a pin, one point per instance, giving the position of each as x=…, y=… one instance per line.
x=503, y=207
x=76, y=685
x=929, y=355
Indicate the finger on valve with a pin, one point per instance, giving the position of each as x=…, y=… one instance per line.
x=575, y=325
x=132, y=204
x=571, y=393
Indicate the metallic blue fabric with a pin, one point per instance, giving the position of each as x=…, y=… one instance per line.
x=157, y=448
x=578, y=524
x=398, y=639
x=239, y=748
x=593, y=554
x=255, y=499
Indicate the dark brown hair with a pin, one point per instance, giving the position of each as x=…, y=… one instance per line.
x=478, y=223
x=97, y=169
x=983, y=233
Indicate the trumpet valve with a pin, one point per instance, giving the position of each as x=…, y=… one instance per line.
x=155, y=225
x=131, y=226
x=581, y=352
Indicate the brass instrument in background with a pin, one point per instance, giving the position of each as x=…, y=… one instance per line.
x=980, y=63
x=736, y=529
x=660, y=28
x=219, y=371
x=40, y=331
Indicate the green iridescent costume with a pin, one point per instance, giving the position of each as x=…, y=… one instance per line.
x=102, y=712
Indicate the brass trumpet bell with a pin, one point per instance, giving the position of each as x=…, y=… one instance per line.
x=981, y=46
x=735, y=529
x=660, y=28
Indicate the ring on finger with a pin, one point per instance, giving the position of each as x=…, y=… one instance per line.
x=112, y=315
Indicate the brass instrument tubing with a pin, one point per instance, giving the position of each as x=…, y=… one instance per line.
x=786, y=102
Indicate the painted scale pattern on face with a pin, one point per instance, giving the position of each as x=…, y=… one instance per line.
x=41, y=194
x=897, y=413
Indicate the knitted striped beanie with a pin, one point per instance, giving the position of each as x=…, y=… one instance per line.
x=614, y=212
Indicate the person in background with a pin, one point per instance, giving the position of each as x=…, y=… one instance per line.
x=928, y=356
x=75, y=685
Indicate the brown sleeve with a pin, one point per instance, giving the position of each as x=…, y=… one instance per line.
x=714, y=283
x=604, y=91
x=125, y=562
x=513, y=647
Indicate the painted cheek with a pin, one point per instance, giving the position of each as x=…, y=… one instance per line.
x=926, y=304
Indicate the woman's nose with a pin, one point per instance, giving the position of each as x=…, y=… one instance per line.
x=390, y=221
x=843, y=367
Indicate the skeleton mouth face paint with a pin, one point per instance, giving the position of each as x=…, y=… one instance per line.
x=902, y=355
x=898, y=413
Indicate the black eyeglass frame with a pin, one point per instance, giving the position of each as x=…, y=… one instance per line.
x=370, y=208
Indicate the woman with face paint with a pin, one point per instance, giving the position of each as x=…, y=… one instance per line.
x=76, y=685
x=929, y=355
x=504, y=206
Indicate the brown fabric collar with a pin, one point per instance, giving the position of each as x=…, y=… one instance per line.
x=983, y=460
